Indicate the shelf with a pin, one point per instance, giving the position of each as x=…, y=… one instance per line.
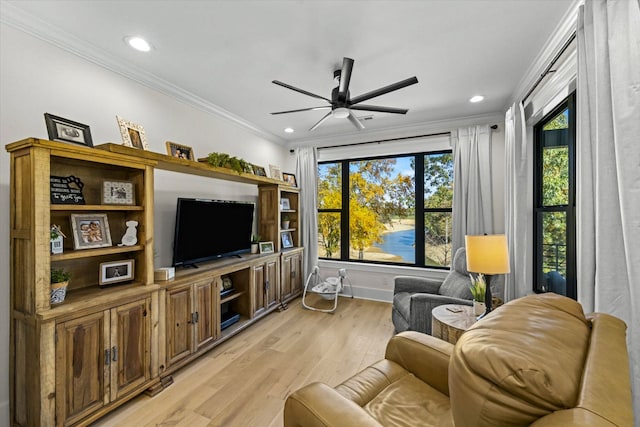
x=236, y=327
x=231, y=297
x=174, y=164
x=288, y=210
x=287, y=229
x=96, y=208
x=85, y=253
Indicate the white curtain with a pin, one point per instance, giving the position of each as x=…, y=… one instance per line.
x=307, y=169
x=608, y=167
x=517, y=218
x=472, y=194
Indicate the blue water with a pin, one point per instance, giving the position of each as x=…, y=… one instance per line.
x=399, y=243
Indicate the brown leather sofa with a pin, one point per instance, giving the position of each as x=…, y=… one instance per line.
x=537, y=360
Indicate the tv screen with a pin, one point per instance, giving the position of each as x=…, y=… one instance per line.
x=210, y=229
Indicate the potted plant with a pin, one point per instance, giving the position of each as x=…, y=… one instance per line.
x=223, y=160
x=285, y=221
x=478, y=289
x=59, y=282
x=55, y=237
x=255, y=238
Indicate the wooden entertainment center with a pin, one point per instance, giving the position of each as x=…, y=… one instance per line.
x=73, y=362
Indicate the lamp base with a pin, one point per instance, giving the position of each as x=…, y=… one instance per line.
x=487, y=298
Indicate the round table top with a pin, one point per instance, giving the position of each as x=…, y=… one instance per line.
x=455, y=315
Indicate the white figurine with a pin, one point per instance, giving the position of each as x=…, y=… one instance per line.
x=130, y=237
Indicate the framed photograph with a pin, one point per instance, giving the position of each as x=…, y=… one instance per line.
x=285, y=204
x=60, y=129
x=132, y=134
x=90, y=231
x=118, y=193
x=290, y=179
x=287, y=240
x=266, y=247
x=180, y=151
x=258, y=170
x=275, y=172
x=116, y=271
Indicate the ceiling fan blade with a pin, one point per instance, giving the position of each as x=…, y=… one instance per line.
x=320, y=121
x=395, y=86
x=302, y=109
x=353, y=119
x=302, y=91
x=379, y=109
x=345, y=78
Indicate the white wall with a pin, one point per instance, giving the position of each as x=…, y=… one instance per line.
x=36, y=77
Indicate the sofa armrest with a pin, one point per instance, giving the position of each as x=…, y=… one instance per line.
x=424, y=356
x=318, y=405
x=413, y=284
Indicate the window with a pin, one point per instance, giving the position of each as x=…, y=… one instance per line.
x=374, y=210
x=554, y=204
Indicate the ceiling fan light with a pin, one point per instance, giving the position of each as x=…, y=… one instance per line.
x=340, y=113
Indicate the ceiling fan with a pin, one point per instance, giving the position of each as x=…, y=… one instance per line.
x=341, y=103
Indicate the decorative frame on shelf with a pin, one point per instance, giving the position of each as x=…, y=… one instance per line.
x=275, y=172
x=289, y=179
x=116, y=271
x=285, y=204
x=90, y=231
x=60, y=129
x=132, y=134
x=180, y=151
x=287, y=239
x=118, y=193
x=258, y=170
x=266, y=247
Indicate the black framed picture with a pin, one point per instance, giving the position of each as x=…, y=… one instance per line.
x=60, y=129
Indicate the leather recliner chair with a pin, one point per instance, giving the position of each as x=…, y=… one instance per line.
x=537, y=361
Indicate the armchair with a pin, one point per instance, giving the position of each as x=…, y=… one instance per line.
x=415, y=297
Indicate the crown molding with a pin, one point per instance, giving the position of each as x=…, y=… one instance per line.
x=560, y=35
x=27, y=23
x=436, y=126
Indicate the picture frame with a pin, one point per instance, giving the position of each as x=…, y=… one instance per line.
x=287, y=239
x=266, y=247
x=275, y=172
x=116, y=271
x=285, y=204
x=90, y=231
x=65, y=130
x=118, y=193
x=289, y=179
x=258, y=170
x=132, y=134
x=180, y=151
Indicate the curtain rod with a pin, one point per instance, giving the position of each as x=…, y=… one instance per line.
x=390, y=139
x=547, y=70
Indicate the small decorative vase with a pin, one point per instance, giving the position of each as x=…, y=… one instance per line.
x=56, y=245
x=285, y=224
x=58, y=292
x=254, y=248
x=478, y=308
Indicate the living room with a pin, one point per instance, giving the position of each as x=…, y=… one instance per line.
x=49, y=69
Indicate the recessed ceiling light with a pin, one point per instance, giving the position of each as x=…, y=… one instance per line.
x=476, y=98
x=138, y=43
x=289, y=130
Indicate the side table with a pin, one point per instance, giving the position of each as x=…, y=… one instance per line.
x=449, y=321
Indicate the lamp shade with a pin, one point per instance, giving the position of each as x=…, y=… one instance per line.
x=487, y=254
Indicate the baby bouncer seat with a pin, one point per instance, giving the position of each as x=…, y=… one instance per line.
x=327, y=289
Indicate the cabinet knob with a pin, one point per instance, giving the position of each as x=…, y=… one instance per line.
x=107, y=357
x=114, y=353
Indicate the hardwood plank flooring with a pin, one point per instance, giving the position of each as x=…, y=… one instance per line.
x=245, y=380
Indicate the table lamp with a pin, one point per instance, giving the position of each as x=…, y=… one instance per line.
x=487, y=254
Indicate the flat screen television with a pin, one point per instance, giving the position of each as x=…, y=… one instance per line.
x=210, y=229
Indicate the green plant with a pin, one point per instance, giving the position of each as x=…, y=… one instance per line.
x=285, y=217
x=478, y=287
x=55, y=232
x=59, y=275
x=255, y=238
x=223, y=160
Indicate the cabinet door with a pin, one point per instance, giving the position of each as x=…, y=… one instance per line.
x=82, y=366
x=179, y=333
x=205, y=317
x=259, y=290
x=130, y=347
x=295, y=274
x=271, y=284
x=285, y=282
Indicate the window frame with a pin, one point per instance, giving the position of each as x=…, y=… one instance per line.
x=419, y=211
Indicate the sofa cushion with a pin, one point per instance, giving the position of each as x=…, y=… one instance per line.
x=512, y=368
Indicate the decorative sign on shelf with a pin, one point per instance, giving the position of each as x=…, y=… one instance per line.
x=66, y=190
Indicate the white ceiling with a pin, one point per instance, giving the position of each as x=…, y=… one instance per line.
x=223, y=55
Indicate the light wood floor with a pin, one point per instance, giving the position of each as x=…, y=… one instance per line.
x=245, y=380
